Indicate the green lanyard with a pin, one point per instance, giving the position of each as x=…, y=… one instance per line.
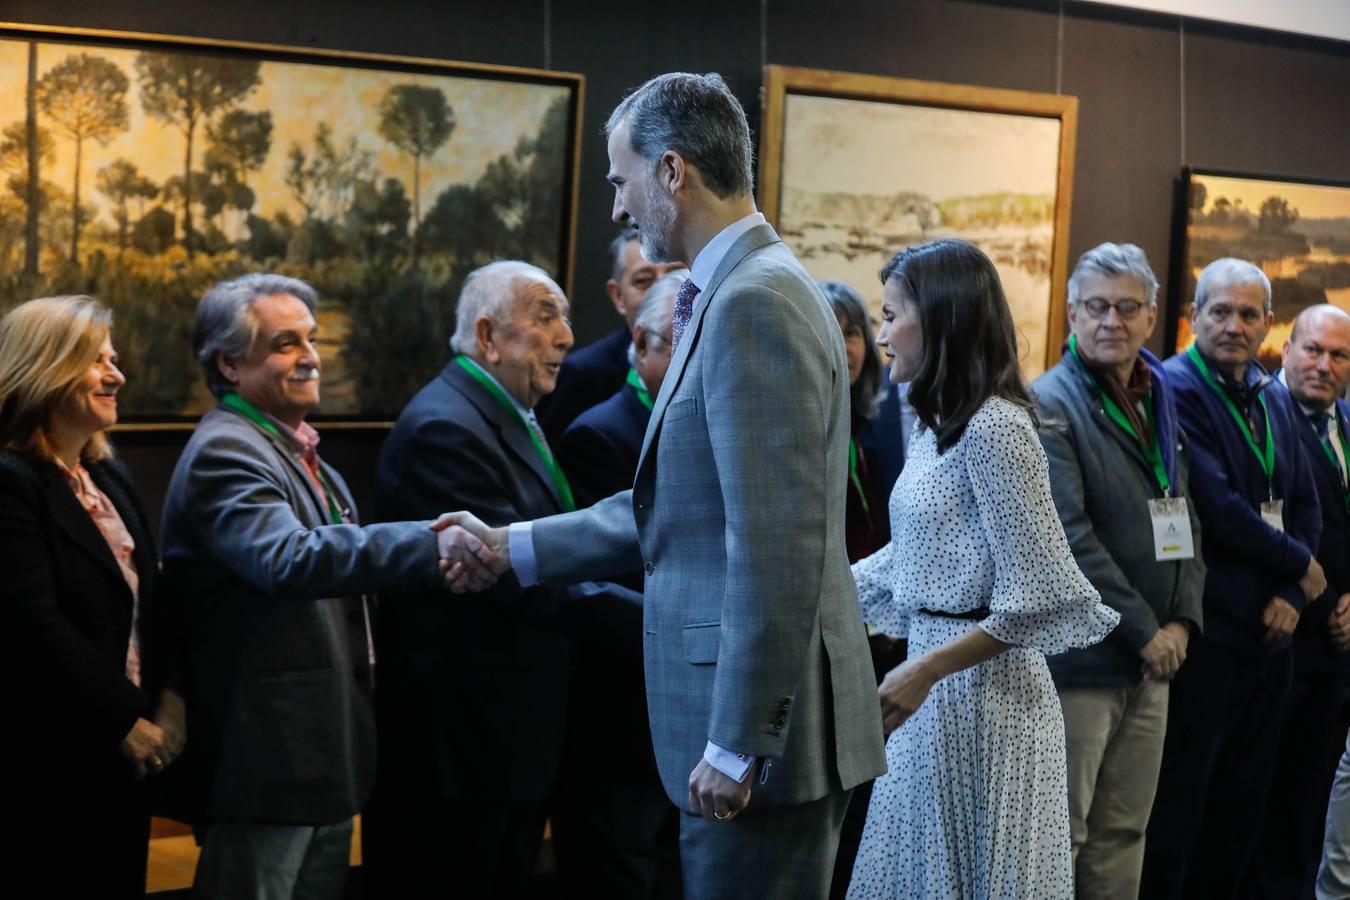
x=644, y=395
x=1153, y=452
x=1266, y=459
x=853, y=475
x=1331, y=454
x=250, y=412
x=554, y=470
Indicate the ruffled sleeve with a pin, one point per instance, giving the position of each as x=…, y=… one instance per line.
x=876, y=577
x=1040, y=599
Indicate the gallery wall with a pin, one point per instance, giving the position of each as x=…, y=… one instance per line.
x=1245, y=99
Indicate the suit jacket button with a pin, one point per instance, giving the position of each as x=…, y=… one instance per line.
x=649, y=568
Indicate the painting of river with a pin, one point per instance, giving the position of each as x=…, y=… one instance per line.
x=861, y=179
x=1298, y=233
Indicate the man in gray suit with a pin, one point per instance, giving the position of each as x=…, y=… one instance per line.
x=759, y=680
x=267, y=567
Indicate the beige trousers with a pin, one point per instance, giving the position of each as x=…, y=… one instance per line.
x=1114, y=743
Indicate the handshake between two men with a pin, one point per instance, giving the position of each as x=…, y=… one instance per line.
x=473, y=556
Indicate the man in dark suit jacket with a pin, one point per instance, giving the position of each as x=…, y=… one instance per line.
x=1316, y=372
x=268, y=568
x=593, y=373
x=473, y=697
x=1260, y=519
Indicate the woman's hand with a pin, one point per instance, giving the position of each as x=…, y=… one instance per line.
x=171, y=717
x=144, y=747
x=903, y=691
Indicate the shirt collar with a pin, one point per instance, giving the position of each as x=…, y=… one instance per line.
x=710, y=257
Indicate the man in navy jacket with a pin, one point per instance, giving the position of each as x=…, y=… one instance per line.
x=1316, y=372
x=1260, y=519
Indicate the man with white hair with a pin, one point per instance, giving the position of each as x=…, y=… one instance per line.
x=472, y=699
x=1259, y=513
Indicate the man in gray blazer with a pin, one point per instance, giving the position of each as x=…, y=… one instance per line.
x=267, y=567
x=762, y=702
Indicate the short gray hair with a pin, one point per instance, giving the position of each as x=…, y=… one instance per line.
x=1229, y=272
x=225, y=324
x=699, y=118
x=657, y=307
x=489, y=291
x=1113, y=260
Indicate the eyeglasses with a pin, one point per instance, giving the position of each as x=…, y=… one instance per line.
x=1096, y=307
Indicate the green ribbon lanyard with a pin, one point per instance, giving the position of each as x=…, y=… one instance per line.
x=853, y=475
x=250, y=412
x=554, y=470
x=1332, y=458
x=644, y=395
x=1153, y=452
x=1266, y=459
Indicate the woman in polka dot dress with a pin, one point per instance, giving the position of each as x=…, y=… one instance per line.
x=979, y=576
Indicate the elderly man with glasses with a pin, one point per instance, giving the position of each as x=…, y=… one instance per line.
x=1118, y=470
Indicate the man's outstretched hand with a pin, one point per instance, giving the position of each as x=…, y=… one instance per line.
x=473, y=556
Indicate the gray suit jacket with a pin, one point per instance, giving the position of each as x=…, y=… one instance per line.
x=1102, y=484
x=753, y=638
x=269, y=611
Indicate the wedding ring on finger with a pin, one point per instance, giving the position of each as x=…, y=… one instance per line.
x=721, y=817
x=155, y=762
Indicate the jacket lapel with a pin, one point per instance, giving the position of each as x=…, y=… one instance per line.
x=1085, y=384
x=756, y=238
x=78, y=525
x=510, y=430
x=297, y=467
x=123, y=498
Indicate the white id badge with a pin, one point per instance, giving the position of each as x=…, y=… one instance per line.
x=1272, y=513
x=1172, y=538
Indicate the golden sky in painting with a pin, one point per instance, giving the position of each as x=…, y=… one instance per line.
x=491, y=117
x=1312, y=201
x=871, y=147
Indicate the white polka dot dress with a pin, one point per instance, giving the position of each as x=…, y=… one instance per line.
x=974, y=805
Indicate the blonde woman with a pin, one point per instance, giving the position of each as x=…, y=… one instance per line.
x=89, y=719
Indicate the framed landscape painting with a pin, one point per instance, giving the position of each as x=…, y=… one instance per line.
x=1296, y=230
x=853, y=168
x=141, y=169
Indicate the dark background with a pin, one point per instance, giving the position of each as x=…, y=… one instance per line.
x=1254, y=101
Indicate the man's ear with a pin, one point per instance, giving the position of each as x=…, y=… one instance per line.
x=615, y=292
x=672, y=172
x=484, y=329
x=227, y=367
x=640, y=339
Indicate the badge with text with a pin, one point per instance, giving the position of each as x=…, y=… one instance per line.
x=1272, y=513
x=1172, y=538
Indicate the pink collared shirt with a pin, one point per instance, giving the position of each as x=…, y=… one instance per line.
x=120, y=542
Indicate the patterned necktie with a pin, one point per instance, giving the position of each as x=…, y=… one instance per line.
x=1321, y=422
x=684, y=309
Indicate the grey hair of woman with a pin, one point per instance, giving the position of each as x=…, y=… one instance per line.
x=1114, y=260
x=655, y=310
x=867, y=391
x=225, y=324
x=1229, y=272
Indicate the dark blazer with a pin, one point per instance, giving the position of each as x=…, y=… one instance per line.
x=1313, y=651
x=273, y=624
x=879, y=442
x=599, y=451
x=1102, y=483
x=1247, y=562
x=589, y=376
x=485, y=676
x=69, y=620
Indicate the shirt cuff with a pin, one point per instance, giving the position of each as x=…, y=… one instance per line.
x=520, y=542
x=733, y=765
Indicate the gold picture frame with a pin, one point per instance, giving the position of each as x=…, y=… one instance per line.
x=994, y=166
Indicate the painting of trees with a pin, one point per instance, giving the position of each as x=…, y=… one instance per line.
x=416, y=120
x=183, y=89
x=144, y=171
x=85, y=99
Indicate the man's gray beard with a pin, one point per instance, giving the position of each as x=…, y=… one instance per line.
x=654, y=232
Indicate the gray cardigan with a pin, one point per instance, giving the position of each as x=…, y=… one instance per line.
x=1102, y=483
